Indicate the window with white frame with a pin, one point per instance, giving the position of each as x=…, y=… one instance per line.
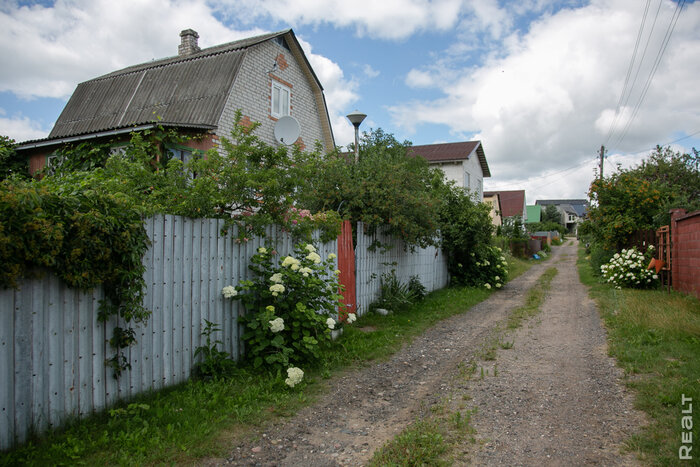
x=279, y=102
x=467, y=180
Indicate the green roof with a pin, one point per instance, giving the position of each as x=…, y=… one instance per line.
x=534, y=214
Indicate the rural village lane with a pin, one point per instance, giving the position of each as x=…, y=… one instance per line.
x=554, y=398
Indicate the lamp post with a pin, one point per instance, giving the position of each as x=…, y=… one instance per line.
x=356, y=118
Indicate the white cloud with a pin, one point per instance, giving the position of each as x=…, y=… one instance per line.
x=370, y=72
x=340, y=93
x=546, y=101
x=48, y=50
x=21, y=128
x=386, y=19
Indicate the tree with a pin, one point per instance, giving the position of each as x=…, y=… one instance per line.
x=387, y=187
x=11, y=163
x=551, y=214
x=641, y=197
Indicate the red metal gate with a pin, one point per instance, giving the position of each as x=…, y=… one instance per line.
x=346, y=264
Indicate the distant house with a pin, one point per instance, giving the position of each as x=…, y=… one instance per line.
x=512, y=203
x=572, y=211
x=267, y=77
x=464, y=163
x=493, y=200
x=534, y=214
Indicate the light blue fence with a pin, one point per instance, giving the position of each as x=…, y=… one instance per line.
x=52, y=349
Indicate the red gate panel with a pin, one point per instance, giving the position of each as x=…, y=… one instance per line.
x=346, y=264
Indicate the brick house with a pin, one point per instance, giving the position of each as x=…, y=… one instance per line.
x=267, y=77
x=464, y=163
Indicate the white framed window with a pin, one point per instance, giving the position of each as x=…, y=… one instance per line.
x=467, y=180
x=279, y=101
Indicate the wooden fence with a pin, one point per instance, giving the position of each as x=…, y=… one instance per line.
x=52, y=348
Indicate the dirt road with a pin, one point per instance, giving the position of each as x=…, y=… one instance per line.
x=554, y=398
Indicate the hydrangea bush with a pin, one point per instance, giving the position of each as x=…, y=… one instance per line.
x=487, y=267
x=628, y=269
x=290, y=308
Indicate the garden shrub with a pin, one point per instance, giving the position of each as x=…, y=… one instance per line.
x=291, y=306
x=628, y=269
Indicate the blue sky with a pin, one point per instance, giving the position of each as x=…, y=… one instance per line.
x=539, y=82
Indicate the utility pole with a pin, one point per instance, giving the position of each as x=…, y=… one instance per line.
x=602, y=158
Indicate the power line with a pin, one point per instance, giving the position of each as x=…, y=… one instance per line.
x=655, y=66
x=629, y=70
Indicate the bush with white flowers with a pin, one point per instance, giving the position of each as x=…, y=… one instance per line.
x=290, y=309
x=629, y=269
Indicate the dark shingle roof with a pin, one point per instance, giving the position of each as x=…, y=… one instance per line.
x=447, y=152
x=189, y=90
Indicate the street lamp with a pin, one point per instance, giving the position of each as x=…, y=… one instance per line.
x=356, y=118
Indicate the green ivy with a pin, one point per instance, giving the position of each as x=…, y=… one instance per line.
x=87, y=239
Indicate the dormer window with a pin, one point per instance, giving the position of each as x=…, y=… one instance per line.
x=279, y=105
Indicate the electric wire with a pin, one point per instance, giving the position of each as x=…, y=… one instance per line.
x=655, y=66
x=629, y=72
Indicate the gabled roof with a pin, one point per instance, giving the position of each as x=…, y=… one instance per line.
x=185, y=90
x=512, y=202
x=534, y=213
x=577, y=206
x=452, y=152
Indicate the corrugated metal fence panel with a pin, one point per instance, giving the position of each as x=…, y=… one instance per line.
x=53, y=349
x=428, y=264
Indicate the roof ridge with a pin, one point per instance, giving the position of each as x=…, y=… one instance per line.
x=232, y=46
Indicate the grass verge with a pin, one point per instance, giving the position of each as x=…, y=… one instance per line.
x=534, y=299
x=655, y=337
x=198, y=419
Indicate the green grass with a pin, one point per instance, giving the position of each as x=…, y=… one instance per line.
x=655, y=337
x=427, y=441
x=533, y=300
x=198, y=419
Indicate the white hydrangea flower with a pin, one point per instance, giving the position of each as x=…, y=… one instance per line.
x=310, y=248
x=270, y=308
x=332, y=256
x=487, y=285
x=262, y=250
x=499, y=285
x=655, y=276
x=276, y=289
x=313, y=256
x=288, y=261
x=294, y=267
x=294, y=376
x=229, y=291
x=276, y=278
x=351, y=318
x=277, y=325
x=330, y=322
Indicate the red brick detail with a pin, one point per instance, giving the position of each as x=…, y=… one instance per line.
x=204, y=143
x=281, y=62
x=300, y=144
x=246, y=123
x=280, y=80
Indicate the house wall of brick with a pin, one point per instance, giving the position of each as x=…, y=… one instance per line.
x=685, y=263
x=252, y=89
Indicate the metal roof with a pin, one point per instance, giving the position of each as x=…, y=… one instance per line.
x=189, y=90
x=452, y=152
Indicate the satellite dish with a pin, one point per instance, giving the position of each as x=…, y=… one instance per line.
x=287, y=130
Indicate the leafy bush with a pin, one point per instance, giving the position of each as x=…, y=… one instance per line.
x=416, y=288
x=393, y=294
x=290, y=307
x=214, y=363
x=628, y=269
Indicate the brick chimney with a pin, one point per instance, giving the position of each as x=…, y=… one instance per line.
x=188, y=44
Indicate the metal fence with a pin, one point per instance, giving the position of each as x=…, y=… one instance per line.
x=372, y=261
x=52, y=348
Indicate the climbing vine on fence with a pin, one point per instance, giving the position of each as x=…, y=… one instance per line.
x=87, y=239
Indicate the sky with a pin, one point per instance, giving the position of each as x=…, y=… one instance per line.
x=541, y=83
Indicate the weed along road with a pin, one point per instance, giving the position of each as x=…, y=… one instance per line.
x=522, y=378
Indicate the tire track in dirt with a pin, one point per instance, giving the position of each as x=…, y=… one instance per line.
x=557, y=398
x=364, y=408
